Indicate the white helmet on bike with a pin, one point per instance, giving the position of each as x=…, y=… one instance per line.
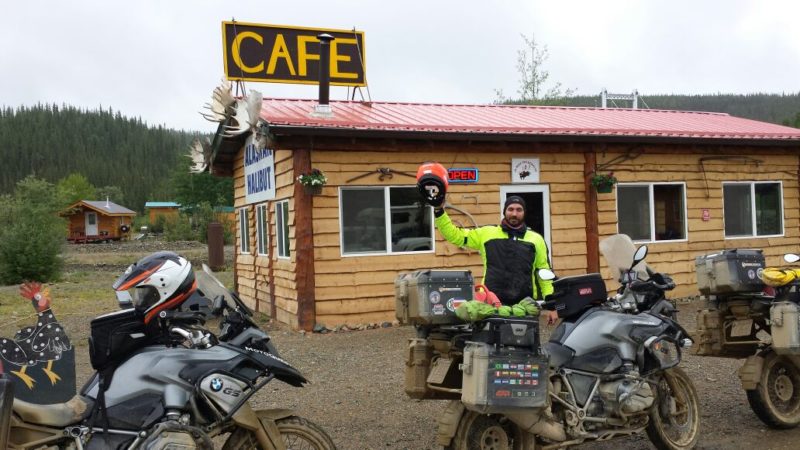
x=160, y=281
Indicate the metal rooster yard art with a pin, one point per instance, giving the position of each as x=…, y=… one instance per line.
x=43, y=343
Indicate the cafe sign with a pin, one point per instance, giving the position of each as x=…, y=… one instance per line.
x=281, y=54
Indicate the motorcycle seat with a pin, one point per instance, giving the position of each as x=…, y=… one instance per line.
x=54, y=415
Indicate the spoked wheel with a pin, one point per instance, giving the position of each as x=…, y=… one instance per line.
x=489, y=432
x=675, y=418
x=776, y=398
x=297, y=434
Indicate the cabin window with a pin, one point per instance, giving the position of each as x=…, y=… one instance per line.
x=652, y=211
x=262, y=233
x=384, y=220
x=282, y=228
x=244, y=232
x=753, y=209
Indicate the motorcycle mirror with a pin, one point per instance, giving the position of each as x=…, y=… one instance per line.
x=639, y=256
x=124, y=299
x=791, y=258
x=218, y=304
x=546, y=274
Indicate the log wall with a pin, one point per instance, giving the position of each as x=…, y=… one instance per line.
x=703, y=191
x=357, y=289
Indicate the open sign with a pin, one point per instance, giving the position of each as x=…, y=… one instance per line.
x=469, y=175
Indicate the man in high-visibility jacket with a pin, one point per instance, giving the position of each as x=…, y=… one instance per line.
x=511, y=252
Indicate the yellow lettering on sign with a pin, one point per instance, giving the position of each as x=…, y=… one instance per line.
x=303, y=56
x=237, y=57
x=336, y=57
x=279, y=50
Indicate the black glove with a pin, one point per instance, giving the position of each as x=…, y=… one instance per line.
x=432, y=192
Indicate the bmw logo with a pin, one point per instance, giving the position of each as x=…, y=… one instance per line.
x=216, y=384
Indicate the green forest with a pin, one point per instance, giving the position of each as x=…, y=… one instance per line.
x=120, y=157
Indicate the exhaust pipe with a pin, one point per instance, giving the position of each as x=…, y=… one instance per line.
x=536, y=423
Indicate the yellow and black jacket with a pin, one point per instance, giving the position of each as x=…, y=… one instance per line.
x=509, y=262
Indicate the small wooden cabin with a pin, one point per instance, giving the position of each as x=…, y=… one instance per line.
x=689, y=183
x=93, y=221
x=167, y=210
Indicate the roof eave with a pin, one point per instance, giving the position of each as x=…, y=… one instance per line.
x=294, y=130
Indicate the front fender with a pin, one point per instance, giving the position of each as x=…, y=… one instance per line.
x=262, y=423
x=274, y=414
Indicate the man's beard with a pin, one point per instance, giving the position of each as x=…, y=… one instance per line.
x=513, y=221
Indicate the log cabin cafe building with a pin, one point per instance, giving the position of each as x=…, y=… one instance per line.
x=689, y=183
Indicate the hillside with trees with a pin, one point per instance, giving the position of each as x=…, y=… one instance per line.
x=99, y=153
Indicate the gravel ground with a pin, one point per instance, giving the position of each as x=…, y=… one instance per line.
x=357, y=388
x=357, y=394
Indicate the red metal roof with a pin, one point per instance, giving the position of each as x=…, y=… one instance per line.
x=522, y=120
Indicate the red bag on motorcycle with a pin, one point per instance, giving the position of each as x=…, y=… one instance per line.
x=432, y=183
x=486, y=296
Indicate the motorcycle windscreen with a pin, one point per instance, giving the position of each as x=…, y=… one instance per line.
x=618, y=252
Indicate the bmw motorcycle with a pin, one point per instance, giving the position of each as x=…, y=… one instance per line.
x=608, y=370
x=759, y=324
x=186, y=389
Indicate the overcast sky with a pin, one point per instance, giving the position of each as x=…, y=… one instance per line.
x=160, y=60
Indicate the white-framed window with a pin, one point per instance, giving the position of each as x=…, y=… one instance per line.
x=384, y=220
x=262, y=229
x=244, y=232
x=752, y=208
x=282, y=228
x=651, y=212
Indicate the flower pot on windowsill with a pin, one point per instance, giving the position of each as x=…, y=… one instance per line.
x=605, y=188
x=312, y=189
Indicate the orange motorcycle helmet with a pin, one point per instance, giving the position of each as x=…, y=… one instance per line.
x=432, y=183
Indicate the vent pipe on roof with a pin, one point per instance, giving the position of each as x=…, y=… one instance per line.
x=323, y=109
x=107, y=205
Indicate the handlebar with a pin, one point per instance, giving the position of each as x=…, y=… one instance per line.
x=639, y=285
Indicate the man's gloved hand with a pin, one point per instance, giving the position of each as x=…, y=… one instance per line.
x=435, y=200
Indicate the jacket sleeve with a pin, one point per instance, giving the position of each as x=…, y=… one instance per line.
x=541, y=262
x=461, y=237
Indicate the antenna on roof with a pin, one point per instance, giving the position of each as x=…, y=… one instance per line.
x=632, y=97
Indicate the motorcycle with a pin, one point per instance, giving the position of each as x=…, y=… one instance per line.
x=610, y=368
x=759, y=324
x=180, y=390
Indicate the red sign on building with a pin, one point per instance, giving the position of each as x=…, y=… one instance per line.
x=462, y=175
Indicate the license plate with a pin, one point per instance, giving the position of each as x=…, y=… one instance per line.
x=741, y=328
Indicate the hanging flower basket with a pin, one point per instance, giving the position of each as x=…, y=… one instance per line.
x=313, y=189
x=313, y=181
x=603, y=183
x=604, y=188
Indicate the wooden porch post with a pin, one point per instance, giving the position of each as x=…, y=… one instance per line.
x=592, y=233
x=304, y=244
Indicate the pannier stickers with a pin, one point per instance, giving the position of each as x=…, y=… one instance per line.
x=454, y=303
